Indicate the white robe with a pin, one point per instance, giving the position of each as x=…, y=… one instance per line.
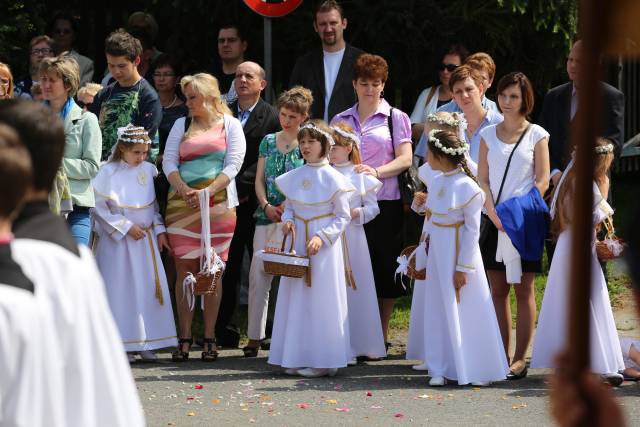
x=98, y=386
x=311, y=327
x=551, y=334
x=365, y=328
x=31, y=392
x=133, y=273
x=459, y=341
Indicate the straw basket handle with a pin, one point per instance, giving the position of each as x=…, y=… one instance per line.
x=608, y=226
x=292, y=233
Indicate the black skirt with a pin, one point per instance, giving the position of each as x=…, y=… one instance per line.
x=384, y=237
x=489, y=248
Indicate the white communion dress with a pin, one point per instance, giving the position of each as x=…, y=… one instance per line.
x=551, y=335
x=134, y=277
x=457, y=336
x=311, y=325
x=364, y=318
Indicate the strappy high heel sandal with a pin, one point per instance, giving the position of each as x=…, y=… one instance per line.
x=179, y=355
x=210, y=353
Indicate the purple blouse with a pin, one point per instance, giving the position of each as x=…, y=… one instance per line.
x=376, y=147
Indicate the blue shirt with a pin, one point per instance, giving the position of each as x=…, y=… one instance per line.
x=493, y=117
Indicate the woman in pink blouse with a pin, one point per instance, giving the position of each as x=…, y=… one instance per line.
x=384, y=156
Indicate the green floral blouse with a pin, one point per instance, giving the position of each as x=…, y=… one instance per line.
x=276, y=163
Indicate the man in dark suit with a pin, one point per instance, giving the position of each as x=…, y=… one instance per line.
x=328, y=72
x=559, y=109
x=258, y=119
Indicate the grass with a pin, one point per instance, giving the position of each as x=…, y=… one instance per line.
x=618, y=284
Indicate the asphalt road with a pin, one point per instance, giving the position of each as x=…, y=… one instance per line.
x=236, y=391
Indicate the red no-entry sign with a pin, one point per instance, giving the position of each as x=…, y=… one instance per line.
x=273, y=8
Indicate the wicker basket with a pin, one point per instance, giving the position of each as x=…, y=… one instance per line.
x=285, y=263
x=206, y=284
x=412, y=273
x=606, y=248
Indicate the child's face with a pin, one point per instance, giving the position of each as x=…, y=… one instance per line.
x=310, y=149
x=122, y=69
x=339, y=154
x=136, y=154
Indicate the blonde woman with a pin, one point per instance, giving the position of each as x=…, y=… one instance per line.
x=205, y=150
x=6, y=82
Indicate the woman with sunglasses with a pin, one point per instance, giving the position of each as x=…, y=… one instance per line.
x=40, y=47
x=437, y=95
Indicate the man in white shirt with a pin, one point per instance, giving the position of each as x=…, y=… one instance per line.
x=328, y=72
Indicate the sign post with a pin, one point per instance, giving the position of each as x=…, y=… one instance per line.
x=271, y=9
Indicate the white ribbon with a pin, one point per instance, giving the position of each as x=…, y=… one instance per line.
x=403, y=265
x=554, y=200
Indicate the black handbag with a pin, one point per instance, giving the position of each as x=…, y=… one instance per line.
x=408, y=181
x=487, y=226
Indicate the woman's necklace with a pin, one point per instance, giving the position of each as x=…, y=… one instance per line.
x=175, y=98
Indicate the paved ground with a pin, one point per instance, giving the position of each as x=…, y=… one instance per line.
x=237, y=391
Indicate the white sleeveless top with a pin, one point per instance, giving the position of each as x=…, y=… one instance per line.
x=522, y=175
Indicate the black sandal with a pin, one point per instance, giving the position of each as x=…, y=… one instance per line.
x=209, y=354
x=179, y=355
x=250, y=351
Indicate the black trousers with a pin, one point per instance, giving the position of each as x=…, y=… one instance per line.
x=242, y=238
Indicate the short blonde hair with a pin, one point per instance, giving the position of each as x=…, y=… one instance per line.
x=66, y=68
x=207, y=86
x=90, y=89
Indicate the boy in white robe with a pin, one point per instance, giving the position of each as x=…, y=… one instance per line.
x=98, y=388
x=30, y=381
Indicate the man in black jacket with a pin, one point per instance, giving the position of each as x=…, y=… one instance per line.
x=328, y=72
x=559, y=108
x=258, y=119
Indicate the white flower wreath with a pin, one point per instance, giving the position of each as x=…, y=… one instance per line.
x=605, y=149
x=459, y=123
x=447, y=150
x=320, y=131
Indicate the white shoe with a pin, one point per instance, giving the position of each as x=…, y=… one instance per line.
x=614, y=379
x=291, y=371
x=148, y=356
x=317, y=372
x=131, y=357
x=437, y=381
x=481, y=383
x=421, y=367
x=352, y=362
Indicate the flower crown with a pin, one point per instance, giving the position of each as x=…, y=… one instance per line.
x=447, y=150
x=459, y=123
x=133, y=135
x=320, y=131
x=351, y=136
x=605, y=149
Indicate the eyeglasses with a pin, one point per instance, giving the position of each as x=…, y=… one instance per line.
x=43, y=51
x=62, y=31
x=162, y=75
x=449, y=67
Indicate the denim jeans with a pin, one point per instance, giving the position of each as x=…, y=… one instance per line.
x=80, y=224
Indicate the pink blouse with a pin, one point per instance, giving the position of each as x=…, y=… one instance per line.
x=376, y=147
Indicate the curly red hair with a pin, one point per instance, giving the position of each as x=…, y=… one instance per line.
x=370, y=67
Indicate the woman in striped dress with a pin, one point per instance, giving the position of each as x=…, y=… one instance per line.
x=204, y=151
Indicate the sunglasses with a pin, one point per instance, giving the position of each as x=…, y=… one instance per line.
x=82, y=104
x=449, y=67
